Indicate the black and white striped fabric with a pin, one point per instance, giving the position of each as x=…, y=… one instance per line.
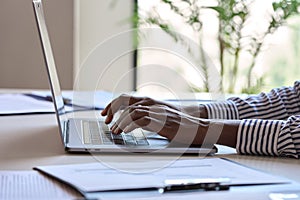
x=270, y=122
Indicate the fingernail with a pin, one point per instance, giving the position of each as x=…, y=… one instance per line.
x=107, y=120
x=116, y=130
x=126, y=129
x=112, y=128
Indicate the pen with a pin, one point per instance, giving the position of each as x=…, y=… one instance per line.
x=67, y=102
x=206, y=184
x=48, y=98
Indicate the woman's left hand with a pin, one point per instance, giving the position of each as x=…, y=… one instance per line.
x=165, y=121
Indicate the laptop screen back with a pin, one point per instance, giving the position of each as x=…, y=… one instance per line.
x=50, y=64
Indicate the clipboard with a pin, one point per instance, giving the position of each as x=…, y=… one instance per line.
x=207, y=174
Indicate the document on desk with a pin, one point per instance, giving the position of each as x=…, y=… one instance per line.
x=39, y=102
x=89, y=99
x=33, y=185
x=92, y=177
x=11, y=104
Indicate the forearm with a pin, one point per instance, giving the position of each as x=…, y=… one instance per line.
x=229, y=128
x=198, y=111
x=222, y=132
x=229, y=133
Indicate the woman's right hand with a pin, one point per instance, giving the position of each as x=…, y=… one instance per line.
x=124, y=101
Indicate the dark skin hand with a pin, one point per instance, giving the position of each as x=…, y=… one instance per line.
x=187, y=124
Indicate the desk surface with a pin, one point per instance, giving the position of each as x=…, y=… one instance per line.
x=30, y=140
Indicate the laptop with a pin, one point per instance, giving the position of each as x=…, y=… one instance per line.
x=93, y=135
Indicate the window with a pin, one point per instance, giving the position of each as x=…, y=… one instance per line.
x=100, y=58
x=168, y=66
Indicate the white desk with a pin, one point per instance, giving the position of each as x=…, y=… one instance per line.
x=30, y=140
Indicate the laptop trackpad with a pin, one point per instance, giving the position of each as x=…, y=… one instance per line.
x=156, y=140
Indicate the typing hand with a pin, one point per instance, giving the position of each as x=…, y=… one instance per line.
x=165, y=121
x=123, y=101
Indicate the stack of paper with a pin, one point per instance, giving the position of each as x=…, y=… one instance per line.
x=33, y=185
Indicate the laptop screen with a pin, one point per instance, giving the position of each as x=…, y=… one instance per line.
x=50, y=64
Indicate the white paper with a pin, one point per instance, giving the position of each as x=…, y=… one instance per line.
x=32, y=185
x=19, y=104
x=98, y=99
x=98, y=177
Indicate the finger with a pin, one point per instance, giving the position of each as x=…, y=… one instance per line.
x=129, y=100
x=129, y=115
x=146, y=123
x=108, y=118
x=149, y=118
x=156, y=120
x=116, y=105
x=155, y=125
x=113, y=127
x=104, y=111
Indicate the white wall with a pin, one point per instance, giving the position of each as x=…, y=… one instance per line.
x=101, y=56
x=21, y=59
x=90, y=21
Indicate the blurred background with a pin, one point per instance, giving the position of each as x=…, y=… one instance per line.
x=195, y=43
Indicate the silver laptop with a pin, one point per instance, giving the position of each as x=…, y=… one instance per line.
x=93, y=135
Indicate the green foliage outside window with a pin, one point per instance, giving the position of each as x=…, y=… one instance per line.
x=233, y=18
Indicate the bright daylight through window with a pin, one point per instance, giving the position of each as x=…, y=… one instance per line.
x=235, y=46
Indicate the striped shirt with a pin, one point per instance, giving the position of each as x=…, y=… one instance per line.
x=270, y=122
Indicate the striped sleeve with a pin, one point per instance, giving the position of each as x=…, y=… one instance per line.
x=258, y=137
x=289, y=138
x=269, y=137
x=270, y=122
x=222, y=110
x=278, y=104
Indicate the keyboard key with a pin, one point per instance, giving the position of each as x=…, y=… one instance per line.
x=86, y=135
x=128, y=137
x=95, y=132
x=142, y=142
x=117, y=136
x=137, y=133
x=118, y=141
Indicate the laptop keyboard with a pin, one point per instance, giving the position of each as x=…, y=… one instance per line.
x=97, y=132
